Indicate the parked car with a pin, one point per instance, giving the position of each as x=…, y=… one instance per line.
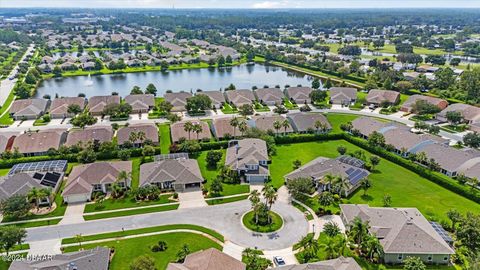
x=278, y=261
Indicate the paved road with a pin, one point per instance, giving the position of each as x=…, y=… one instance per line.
x=6, y=85
x=226, y=219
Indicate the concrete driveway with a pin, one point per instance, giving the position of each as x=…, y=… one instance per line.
x=191, y=199
x=225, y=219
x=73, y=214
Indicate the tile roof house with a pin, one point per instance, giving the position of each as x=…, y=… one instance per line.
x=340, y=263
x=299, y=95
x=240, y=97
x=265, y=123
x=178, y=100
x=402, y=232
x=38, y=143
x=269, y=96
x=250, y=158
x=217, y=97
x=21, y=183
x=86, y=179
x=343, y=95
x=96, y=104
x=221, y=128
x=91, y=259
x=141, y=103
x=177, y=174
x=210, y=259
x=6, y=141
x=149, y=130
x=177, y=131
x=405, y=141
x=318, y=168
x=471, y=114
x=379, y=97
x=59, y=107
x=304, y=122
x=29, y=108
x=407, y=106
x=96, y=134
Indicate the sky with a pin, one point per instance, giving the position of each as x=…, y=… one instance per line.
x=257, y=4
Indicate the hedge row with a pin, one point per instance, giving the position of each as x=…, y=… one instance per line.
x=213, y=145
x=441, y=180
x=298, y=138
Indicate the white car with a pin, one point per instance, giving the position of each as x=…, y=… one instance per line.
x=278, y=261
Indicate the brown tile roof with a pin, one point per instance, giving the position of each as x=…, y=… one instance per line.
x=378, y=96
x=96, y=104
x=60, y=105
x=210, y=259
x=240, y=97
x=181, y=171
x=150, y=130
x=221, y=127
x=270, y=95
x=408, y=104
x=217, y=97
x=140, y=102
x=93, y=133
x=177, y=131
x=265, y=122
x=178, y=100
x=341, y=263
x=38, y=142
x=301, y=121
x=469, y=112
x=83, y=177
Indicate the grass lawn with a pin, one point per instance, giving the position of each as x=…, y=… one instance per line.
x=135, y=172
x=4, y=172
x=406, y=188
x=303, y=210
x=227, y=200
x=275, y=224
x=228, y=109
x=38, y=223
x=6, y=120
x=165, y=140
x=289, y=105
x=5, y=264
x=127, y=250
x=119, y=234
x=139, y=211
x=336, y=119
x=260, y=108
x=126, y=202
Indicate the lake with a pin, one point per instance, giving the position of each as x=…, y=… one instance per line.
x=243, y=76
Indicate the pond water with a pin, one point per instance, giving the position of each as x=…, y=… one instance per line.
x=243, y=76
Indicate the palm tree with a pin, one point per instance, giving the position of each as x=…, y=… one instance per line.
x=358, y=230
x=422, y=157
x=342, y=185
x=124, y=176
x=117, y=190
x=277, y=126
x=254, y=198
x=34, y=194
x=373, y=248
x=365, y=186
x=79, y=239
x=141, y=136
x=328, y=179
x=234, y=123
x=197, y=128
x=46, y=193
x=330, y=247
x=188, y=127
x=310, y=246
x=133, y=137
x=285, y=125
x=242, y=126
x=270, y=195
x=317, y=125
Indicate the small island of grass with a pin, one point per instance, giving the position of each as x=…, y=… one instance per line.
x=264, y=224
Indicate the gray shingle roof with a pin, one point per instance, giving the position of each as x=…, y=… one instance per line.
x=18, y=184
x=178, y=100
x=301, y=122
x=60, y=105
x=340, y=263
x=299, y=94
x=93, y=133
x=400, y=230
x=29, y=107
x=408, y=104
x=217, y=97
x=96, y=104
x=265, y=122
x=339, y=94
x=378, y=96
x=181, y=171
x=270, y=95
x=240, y=97
x=248, y=151
x=150, y=131
x=210, y=259
x=177, y=131
x=41, y=141
x=469, y=112
x=140, y=102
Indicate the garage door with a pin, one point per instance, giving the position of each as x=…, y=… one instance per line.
x=76, y=198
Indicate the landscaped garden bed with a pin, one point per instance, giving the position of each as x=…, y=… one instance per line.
x=272, y=223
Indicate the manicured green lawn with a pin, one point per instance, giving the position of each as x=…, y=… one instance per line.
x=38, y=223
x=135, y=172
x=227, y=200
x=5, y=264
x=139, y=211
x=4, y=172
x=406, y=188
x=165, y=140
x=127, y=250
x=228, y=109
x=260, y=108
x=275, y=224
x=120, y=234
x=126, y=202
x=289, y=105
x=6, y=120
x=336, y=119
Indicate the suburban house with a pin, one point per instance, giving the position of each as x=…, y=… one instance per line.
x=404, y=141
x=270, y=96
x=6, y=141
x=178, y=100
x=28, y=109
x=97, y=258
x=265, y=123
x=135, y=131
x=59, y=107
x=38, y=143
x=305, y=122
x=340, y=263
x=221, y=128
x=250, y=158
x=141, y=103
x=95, y=134
x=177, y=130
x=210, y=259
x=86, y=179
x=299, y=95
x=426, y=68
x=346, y=167
x=21, y=183
x=403, y=232
x=217, y=97
x=344, y=96
x=172, y=174
x=365, y=126
x=240, y=97
x=408, y=105
x=96, y=104
x=379, y=97
x=410, y=76
x=470, y=114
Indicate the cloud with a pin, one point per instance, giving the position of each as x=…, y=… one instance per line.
x=271, y=4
